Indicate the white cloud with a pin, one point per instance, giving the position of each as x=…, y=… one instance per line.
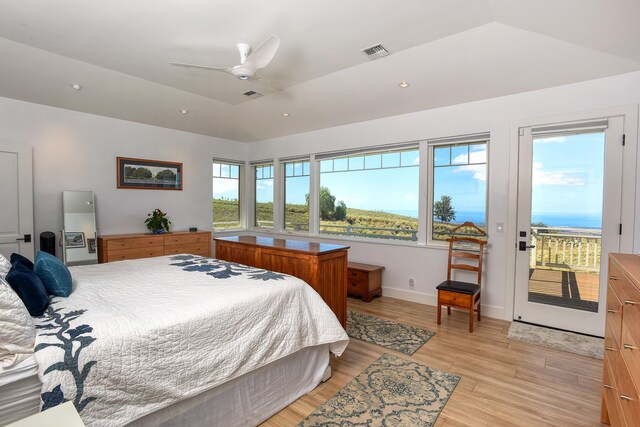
x=224, y=186
x=264, y=184
x=550, y=139
x=540, y=177
x=479, y=171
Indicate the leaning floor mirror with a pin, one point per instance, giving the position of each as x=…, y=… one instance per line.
x=79, y=245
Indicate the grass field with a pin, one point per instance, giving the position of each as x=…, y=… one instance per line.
x=297, y=218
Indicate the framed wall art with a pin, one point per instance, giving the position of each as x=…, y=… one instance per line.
x=91, y=244
x=74, y=239
x=144, y=174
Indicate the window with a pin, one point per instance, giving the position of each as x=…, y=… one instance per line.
x=458, y=177
x=371, y=194
x=226, y=195
x=296, y=195
x=263, y=195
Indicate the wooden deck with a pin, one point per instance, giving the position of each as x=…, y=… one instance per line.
x=504, y=383
x=564, y=288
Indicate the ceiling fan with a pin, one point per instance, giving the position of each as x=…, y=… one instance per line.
x=250, y=61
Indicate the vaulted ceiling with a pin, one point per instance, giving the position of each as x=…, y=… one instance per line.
x=448, y=51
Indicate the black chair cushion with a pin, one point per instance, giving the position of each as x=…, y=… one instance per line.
x=459, y=287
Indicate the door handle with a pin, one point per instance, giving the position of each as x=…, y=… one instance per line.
x=523, y=246
x=26, y=238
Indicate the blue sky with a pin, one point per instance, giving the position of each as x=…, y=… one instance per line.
x=567, y=178
x=567, y=174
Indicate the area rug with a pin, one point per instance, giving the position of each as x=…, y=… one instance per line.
x=390, y=392
x=386, y=333
x=560, y=340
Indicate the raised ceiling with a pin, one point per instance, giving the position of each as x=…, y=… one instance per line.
x=449, y=51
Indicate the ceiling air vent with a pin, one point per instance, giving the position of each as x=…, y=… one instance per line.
x=375, y=52
x=252, y=94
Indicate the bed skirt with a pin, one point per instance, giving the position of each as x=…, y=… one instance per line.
x=249, y=399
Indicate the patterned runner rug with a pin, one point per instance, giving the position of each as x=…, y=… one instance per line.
x=396, y=336
x=560, y=340
x=390, y=392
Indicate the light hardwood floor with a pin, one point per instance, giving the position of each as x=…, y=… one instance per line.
x=504, y=383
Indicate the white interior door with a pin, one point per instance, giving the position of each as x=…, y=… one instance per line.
x=569, y=210
x=16, y=193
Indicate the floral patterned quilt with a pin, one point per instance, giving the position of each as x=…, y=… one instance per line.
x=136, y=336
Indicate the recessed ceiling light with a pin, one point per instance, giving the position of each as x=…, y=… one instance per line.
x=76, y=86
x=403, y=85
x=285, y=114
x=183, y=111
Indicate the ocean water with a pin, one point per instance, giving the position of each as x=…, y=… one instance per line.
x=551, y=220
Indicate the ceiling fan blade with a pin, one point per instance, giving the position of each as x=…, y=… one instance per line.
x=201, y=67
x=263, y=54
x=262, y=82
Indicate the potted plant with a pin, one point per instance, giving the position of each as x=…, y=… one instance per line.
x=157, y=221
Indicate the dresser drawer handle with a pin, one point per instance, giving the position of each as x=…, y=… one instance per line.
x=609, y=348
x=625, y=397
x=630, y=302
x=607, y=386
x=354, y=284
x=612, y=311
x=629, y=347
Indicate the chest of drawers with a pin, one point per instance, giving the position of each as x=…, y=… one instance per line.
x=132, y=246
x=621, y=372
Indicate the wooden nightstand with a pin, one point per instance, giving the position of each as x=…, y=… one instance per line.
x=364, y=280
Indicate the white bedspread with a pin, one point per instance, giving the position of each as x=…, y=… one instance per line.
x=136, y=336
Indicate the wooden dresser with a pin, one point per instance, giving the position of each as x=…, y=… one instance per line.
x=621, y=374
x=321, y=265
x=118, y=247
x=364, y=280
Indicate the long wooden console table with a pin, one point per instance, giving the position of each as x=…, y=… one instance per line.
x=321, y=265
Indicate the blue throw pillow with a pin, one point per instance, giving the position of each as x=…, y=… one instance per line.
x=29, y=288
x=54, y=274
x=22, y=260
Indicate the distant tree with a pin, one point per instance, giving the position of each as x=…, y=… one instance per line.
x=340, y=213
x=328, y=208
x=166, y=174
x=443, y=210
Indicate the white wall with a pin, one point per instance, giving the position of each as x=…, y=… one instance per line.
x=428, y=265
x=77, y=151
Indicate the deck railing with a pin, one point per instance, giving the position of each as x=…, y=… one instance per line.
x=566, y=247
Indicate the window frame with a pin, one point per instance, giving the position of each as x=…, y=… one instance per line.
x=452, y=141
x=241, y=204
x=364, y=152
x=254, y=182
x=283, y=169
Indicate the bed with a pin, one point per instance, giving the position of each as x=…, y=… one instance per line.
x=183, y=340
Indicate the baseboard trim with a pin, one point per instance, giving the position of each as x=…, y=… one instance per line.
x=413, y=296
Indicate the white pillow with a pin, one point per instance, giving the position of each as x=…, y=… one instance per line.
x=17, y=331
x=5, y=266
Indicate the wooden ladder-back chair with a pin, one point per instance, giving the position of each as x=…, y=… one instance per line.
x=459, y=294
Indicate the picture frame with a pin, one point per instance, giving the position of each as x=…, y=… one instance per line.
x=143, y=174
x=74, y=239
x=91, y=246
